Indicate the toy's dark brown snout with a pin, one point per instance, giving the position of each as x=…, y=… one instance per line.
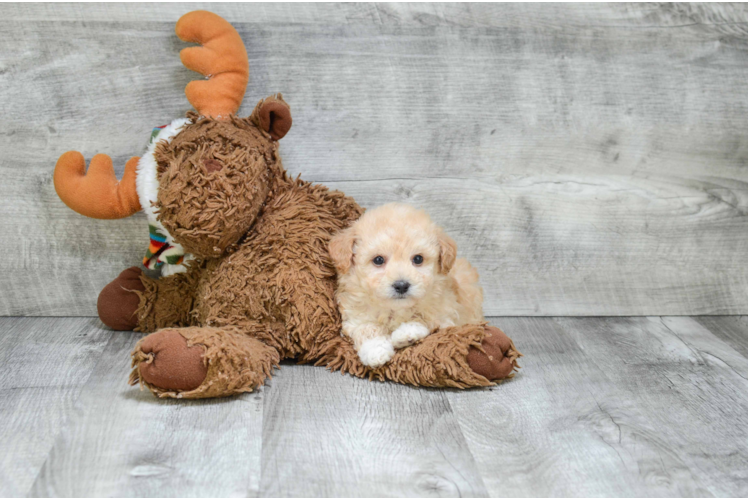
x=212, y=165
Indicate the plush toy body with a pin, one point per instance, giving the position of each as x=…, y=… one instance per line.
x=246, y=275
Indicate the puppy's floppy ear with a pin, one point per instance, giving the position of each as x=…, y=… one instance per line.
x=447, y=252
x=341, y=249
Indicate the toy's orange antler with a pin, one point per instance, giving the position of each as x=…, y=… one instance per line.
x=97, y=194
x=222, y=58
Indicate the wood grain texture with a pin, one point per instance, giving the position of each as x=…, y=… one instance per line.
x=652, y=406
x=122, y=442
x=727, y=16
x=613, y=406
x=44, y=363
x=589, y=159
x=733, y=330
x=330, y=435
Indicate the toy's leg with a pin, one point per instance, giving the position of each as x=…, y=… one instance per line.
x=202, y=362
x=167, y=301
x=135, y=301
x=465, y=356
x=118, y=301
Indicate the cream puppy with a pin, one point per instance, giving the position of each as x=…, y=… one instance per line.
x=399, y=280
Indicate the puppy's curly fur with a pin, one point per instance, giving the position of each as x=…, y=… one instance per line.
x=399, y=280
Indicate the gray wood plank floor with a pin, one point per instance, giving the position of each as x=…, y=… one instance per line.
x=645, y=406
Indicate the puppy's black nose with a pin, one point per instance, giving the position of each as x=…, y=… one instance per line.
x=401, y=286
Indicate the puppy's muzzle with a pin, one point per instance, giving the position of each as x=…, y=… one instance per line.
x=401, y=288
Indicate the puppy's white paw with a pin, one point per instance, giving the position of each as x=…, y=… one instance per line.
x=376, y=352
x=408, y=333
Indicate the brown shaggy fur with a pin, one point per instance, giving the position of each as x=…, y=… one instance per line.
x=262, y=287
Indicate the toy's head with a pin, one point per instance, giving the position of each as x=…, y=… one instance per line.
x=204, y=179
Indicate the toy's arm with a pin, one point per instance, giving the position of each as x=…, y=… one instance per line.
x=464, y=356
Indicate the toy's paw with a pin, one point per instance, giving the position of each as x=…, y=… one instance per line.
x=118, y=303
x=499, y=359
x=376, y=352
x=408, y=334
x=168, y=363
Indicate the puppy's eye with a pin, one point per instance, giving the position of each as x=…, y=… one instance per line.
x=378, y=260
x=418, y=260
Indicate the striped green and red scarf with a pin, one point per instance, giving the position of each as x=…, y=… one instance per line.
x=159, y=251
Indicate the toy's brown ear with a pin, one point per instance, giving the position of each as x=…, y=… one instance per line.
x=447, y=252
x=273, y=115
x=341, y=249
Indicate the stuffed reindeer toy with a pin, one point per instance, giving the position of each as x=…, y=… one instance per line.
x=246, y=277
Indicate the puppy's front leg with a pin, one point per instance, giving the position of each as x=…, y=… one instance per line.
x=371, y=342
x=408, y=334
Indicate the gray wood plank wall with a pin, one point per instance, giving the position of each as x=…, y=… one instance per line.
x=589, y=159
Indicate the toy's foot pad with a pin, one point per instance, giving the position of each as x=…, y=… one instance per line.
x=118, y=302
x=499, y=359
x=168, y=363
